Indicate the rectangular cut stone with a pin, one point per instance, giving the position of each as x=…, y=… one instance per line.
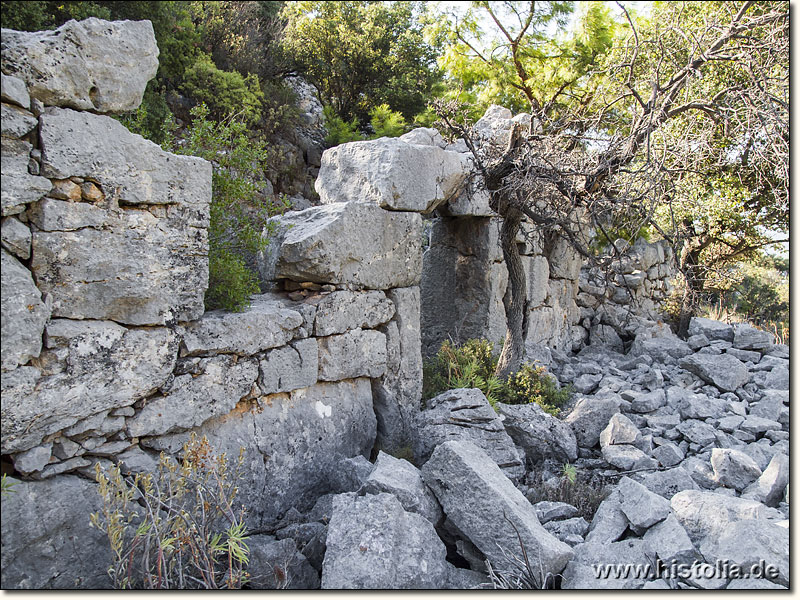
x=289, y=367
x=17, y=186
x=342, y=311
x=353, y=354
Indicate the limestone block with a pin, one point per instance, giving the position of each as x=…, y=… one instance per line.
x=725, y=371
x=289, y=367
x=89, y=65
x=350, y=243
x=17, y=186
x=342, y=311
x=16, y=238
x=540, y=434
x=390, y=173
x=424, y=136
x=24, y=314
x=16, y=122
x=357, y=353
x=56, y=215
x=13, y=90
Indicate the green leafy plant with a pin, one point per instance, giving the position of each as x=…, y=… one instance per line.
x=339, y=130
x=386, y=122
x=177, y=528
x=6, y=486
x=569, y=472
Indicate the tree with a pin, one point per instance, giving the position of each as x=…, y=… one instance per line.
x=611, y=151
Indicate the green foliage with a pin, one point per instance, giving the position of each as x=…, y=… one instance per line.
x=569, y=472
x=35, y=15
x=224, y=92
x=339, y=130
x=572, y=488
x=385, y=122
x=238, y=212
x=473, y=365
x=153, y=119
x=6, y=486
x=177, y=528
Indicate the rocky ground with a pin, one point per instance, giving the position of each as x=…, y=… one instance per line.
x=690, y=439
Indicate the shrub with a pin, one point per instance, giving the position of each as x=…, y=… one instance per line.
x=339, y=130
x=585, y=495
x=386, y=122
x=177, y=528
x=153, y=119
x=473, y=365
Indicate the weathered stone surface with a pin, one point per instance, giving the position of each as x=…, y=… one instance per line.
x=627, y=457
x=398, y=393
x=747, y=542
x=581, y=574
x=725, y=371
x=152, y=269
x=747, y=337
x=589, y=417
x=549, y=511
x=34, y=459
x=668, y=454
x=620, y=430
x=670, y=541
x=696, y=431
x=770, y=486
x=641, y=507
x=192, y=399
x=17, y=186
x=670, y=482
x=350, y=474
x=758, y=425
x=754, y=584
x=57, y=215
x=339, y=312
x=696, y=406
x=16, y=238
x=465, y=415
x=293, y=444
x=486, y=507
x=473, y=201
x=289, y=367
x=708, y=514
x=609, y=522
x=89, y=65
x=24, y=314
x=713, y=330
x=539, y=434
x=424, y=136
x=733, y=468
x=13, y=89
x=662, y=349
x=390, y=173
x=327, y=244
x=353, y=354
x=47, y=542
x=649, y=402
x=587, y=383
x=404, y=481
x=15, y=121
x=264, y=324
x=568, y=529
x=278, y=565
x=374, y=544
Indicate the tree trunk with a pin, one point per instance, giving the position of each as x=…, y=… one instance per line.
x=695, y=283
x=515, y=300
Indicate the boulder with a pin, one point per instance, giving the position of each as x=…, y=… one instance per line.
x=551, y=511
x=424, y=136
x=587, y=383
x=665, y=350
x=708, y=514
x=668, y=455
x=669, y=482
x=620, y=430
x=641, y=507
x=47, y=541
x=262, y=325
x=342, y=311
x=568, y=529
x=374, y=544
x=696, y=406
x=89, y=65
x=403, y=480
x=594, y=565
x=16, y=122
x=758, y=425
x=465, y=415
x=356, y=353
x=24, y=314
x=589, y=417
x=350, y=474
x=16, y=238
x=488, y=510
x=698, y=432
x=326, y=244
x=733, y=468
x=649, y=402
x=609, y=522
x=713, y=330
x=747, y=337
x=17, y=186
x=391, y=174
x=769, y=487
x=538, y=433
x=670, y=541
x=277, y=565
x=725, y=371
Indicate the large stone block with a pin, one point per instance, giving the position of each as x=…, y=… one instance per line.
x=725, y=371
x=357, y=353
x=89, y=65
x=347, y=243
x=17, y=186
x=24, y=314
x=290, y=367
x=541, y=435
x=339, y=312
x=106, y=367
x=390, y=173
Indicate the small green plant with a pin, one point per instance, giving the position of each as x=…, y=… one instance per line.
x=570, y=473
x=473, y=365
x=339, y=130
x=386, y=122
x=177, y=528
x=7, y=486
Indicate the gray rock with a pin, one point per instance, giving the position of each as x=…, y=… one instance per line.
x=350, y=474
x=609, y=522
x=733, y=468
x=607, y=336
x=745, y=355
x=697, y=406
x=16, y=122
x=586, y=383
x=670, y=482
x=465, y=415
x=374, y=544
x=747, y=337
x=34, y=459
x=403, y=480
x=538, y=433
x=353, y=354
x=339, y=312
x=13, y=89
x=390, y=173
x=747, y=543
x=777, y=379
x=649, y=402
x=662, y=349
x=697, y=341
x=191, y=400
x=725, y=371
x=708, y=514
x=668, y=455
x=641, y=507
x=464, y=579
x=17, y=186
x=290, y=367
x=582, y=571
x=696, y=431
x=671, y=542
x=486, y=507
x=24, y=314
x=759, y=425
x=16, y=238
x=620, y=430
x=159, y=262
x=278, y=565
x=41, y=523
x=567, y=529
x=89, y=65
x=424, y=136
x=106, y=368
x=730, y=423
x=713, y=330
x=549, y=511
x=589, y=417
x=326, y=244
x=626, y=457
x=769, y=487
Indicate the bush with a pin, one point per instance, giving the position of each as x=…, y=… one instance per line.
x=153, y=119
x=473, y=365
x=386, y=122
x=339, y=130
x=224, y=92
x=177, y=528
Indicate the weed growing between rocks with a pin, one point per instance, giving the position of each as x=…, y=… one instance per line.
x=473, y=365
x=583, y=493
x=177, y=528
